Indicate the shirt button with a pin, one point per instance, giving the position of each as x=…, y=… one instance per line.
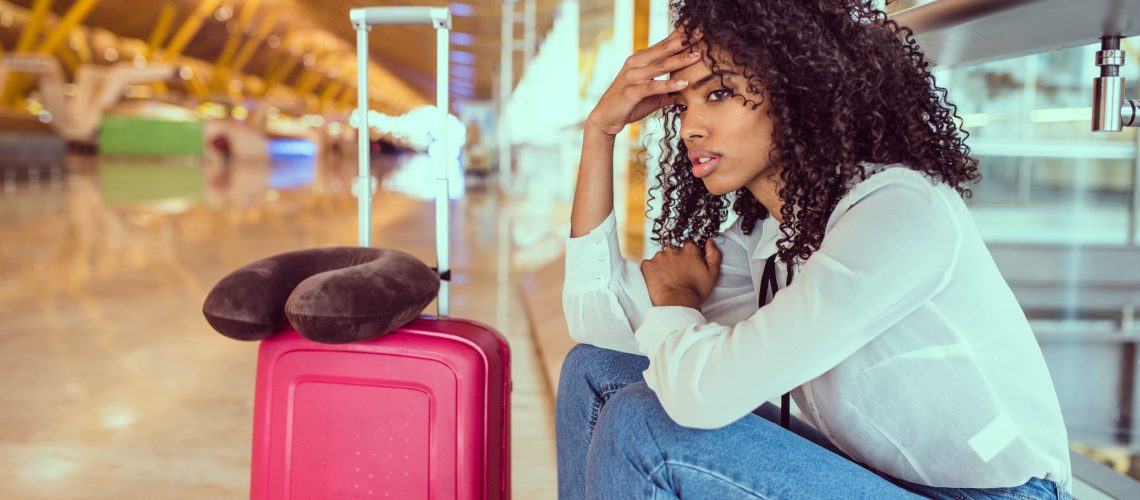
x=601, y=258
x=598, y=242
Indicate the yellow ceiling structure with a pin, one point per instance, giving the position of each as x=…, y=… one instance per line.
x=279, y=49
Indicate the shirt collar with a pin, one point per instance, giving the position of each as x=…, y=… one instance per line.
x=769, y=234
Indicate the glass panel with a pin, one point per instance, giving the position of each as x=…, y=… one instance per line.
x=1056, y=191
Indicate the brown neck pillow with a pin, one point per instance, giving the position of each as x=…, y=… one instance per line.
x=331, y=295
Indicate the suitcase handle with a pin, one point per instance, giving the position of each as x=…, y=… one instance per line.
x=440, y=18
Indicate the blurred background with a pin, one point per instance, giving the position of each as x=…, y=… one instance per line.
x=149, y=147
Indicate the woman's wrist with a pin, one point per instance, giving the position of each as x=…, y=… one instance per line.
x=592, y=128
x=677, y=297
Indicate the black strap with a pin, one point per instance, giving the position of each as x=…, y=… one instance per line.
x=444, y=276
x=768, y=281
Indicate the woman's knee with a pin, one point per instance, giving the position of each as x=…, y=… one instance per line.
x=577, y=365
x=595, y=366
x=580, y=360
x=623, y=427
x=632, y=404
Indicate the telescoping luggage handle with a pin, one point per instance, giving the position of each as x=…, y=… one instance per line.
x=362, y=21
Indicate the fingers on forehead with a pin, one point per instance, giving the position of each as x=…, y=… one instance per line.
x=680, y=42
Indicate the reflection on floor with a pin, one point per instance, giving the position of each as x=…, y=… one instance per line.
x=114, y=385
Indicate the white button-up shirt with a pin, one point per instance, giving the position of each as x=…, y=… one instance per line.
x=898, y=338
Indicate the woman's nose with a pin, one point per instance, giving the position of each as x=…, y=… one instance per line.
x=691, y=130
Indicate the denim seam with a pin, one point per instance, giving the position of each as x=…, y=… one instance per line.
x=714, y=474
x=1010, y=494
x=666, y=462
x=655, y=480
x=596, y=408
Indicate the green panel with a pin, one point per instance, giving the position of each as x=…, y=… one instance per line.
x=128, y=135
x=126, y=183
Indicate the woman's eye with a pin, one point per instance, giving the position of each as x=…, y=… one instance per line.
x=719, y=94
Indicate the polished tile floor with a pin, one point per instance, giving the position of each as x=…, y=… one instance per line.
x=115, y=387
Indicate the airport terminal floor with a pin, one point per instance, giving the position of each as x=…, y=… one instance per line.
x=116, y=387
x=148, y=149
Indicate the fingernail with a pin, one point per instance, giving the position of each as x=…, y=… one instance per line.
x=680, y=83
x=694, y=55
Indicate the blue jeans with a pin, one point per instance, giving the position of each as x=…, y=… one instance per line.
x=615, y=441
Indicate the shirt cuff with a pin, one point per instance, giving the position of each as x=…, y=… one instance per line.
x=663, y=321
x=593, y=259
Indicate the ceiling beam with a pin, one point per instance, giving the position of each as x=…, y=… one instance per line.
x=71, y=19
x=263, y=31
x=31, y=31
x=222, y=64
x=161, y=29
x=188, y=29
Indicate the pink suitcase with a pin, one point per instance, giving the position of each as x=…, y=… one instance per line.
x=422, y=412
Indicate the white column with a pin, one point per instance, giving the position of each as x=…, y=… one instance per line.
x=506, y=84
x=528, y=32
x=623, y=45
x=570, y=148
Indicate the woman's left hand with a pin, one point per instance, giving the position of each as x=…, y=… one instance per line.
x=682, y=276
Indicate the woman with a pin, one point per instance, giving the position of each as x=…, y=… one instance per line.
x=916, y=371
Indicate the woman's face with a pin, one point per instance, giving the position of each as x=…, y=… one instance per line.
x=728, y=141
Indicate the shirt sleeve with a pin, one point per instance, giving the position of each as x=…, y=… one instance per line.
x=605, y=299
x=888, y=254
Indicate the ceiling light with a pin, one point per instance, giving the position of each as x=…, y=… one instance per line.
x=462, y=39
x=462, y=57
x=462, y=9
x=463, y=71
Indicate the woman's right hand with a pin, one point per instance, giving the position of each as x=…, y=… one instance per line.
x=634, y=93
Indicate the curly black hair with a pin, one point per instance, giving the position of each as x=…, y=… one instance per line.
x=846, y=85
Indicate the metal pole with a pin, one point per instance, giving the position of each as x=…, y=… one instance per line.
x=1134, y=205
x=364, y=179
x=1108, y=88
x=443, y=196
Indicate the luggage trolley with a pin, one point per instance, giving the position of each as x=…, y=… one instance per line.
x=421, y=412
x=362, y=22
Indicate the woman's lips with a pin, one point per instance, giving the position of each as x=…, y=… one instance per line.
x=701, y=170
